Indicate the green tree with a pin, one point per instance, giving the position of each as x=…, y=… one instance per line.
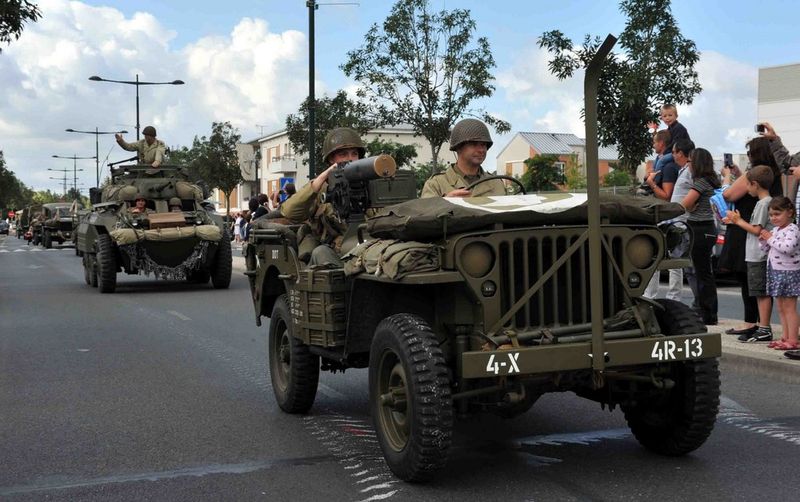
x=617, y=178
x=423, y=68
x=421, y=174
x=329, y=113
x=542, y=173
x=403, y=155
x=573, y=174
x=657, y=67
x=45, y=197
x=216, y=161
x=13, y=192
x=13, y=16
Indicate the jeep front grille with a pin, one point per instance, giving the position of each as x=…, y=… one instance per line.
x=564, y=298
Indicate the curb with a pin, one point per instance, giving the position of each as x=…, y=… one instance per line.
x=755, y=358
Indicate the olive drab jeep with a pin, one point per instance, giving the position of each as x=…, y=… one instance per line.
x=191, y=244
x=57, y=224
x=462, y=306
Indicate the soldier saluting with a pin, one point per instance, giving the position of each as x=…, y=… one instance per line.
x=470, y=140
x=151, y=150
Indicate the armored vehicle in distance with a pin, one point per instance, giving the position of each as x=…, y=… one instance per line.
x=191, y=243
x=57, y=225
x=461, y=306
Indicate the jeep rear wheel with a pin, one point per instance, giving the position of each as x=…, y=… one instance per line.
x=409, y=393
x=106, y=264
x=222, y=268
x=293, y=369
x=679, y=420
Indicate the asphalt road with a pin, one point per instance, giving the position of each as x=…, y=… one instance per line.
x=160, y=391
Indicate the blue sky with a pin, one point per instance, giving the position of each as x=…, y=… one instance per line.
x=246, y=61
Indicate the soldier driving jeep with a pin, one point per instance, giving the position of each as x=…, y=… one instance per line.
x=470, y=139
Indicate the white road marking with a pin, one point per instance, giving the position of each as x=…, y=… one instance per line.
x=83, y=350
x=4, y=251
x=179, y=315
x=733, y=413
x=20, y=250
x=35, y=266
x=380, y=496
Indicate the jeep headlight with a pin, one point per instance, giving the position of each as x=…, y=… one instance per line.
x=477, y=259
x=640, y=251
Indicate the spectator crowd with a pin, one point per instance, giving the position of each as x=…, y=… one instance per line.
x=761, y=250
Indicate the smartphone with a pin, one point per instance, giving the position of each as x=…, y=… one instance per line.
x=760, y=128
x=728, y=159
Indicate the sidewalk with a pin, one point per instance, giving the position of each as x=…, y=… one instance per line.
x=753, y=358
x=756, y=358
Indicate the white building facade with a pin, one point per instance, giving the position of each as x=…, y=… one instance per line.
x=779, y=102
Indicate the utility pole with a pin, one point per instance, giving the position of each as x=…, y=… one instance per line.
x=312, y=6
x=63, y=178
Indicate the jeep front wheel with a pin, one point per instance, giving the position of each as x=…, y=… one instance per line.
x=106, y=264
x=47, y=240
x=293, y=369
x=679, y=420
x=409, y=394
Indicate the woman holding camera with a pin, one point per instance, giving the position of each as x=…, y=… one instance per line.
x=732, y=257
x=786, y=162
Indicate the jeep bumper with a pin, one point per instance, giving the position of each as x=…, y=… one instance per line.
x=578, y=356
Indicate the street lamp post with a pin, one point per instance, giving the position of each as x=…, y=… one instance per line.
x=97, y=147
x=63, y=178
x=137, y=83
x=258, y=161
x=74, y=167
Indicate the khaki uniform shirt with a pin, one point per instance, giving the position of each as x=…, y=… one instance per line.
x=147, y=153
x=307, y=206
x=451, y=178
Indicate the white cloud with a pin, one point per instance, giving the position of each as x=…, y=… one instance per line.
x=250, y=76
x=720, y=119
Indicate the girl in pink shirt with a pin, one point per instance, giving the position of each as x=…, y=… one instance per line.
x=783, y=268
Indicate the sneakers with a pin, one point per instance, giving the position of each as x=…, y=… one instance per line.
x=762, y=334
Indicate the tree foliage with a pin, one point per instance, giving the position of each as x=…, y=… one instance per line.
x=422, y=172
x=424, y=69
x=573, y=174
x=542, y=174
x=13, y=16
x=329, y=113
x=13, y=192
x=617, y=178
x=403, y=155
x=657, y=66
x=216, y=161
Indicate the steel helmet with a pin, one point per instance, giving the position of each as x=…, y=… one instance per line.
x=341, y=138
x=469, y=130
x=175, y=202
x=149, y=131
x=139, y=196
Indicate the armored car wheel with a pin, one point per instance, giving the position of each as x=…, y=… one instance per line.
x=409, y=394
x=678, y=420
x=222, y=268
x=106, y=264
x=293, y=369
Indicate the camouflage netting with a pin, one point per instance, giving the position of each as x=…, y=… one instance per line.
x=146, y=265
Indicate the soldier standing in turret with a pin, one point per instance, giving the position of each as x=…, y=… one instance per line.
x=341, y=145
x=151, y=150
x=470, y=140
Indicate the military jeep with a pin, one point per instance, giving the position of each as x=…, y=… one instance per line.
x=501, y=300
x=191, y=244
x=57, y=225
